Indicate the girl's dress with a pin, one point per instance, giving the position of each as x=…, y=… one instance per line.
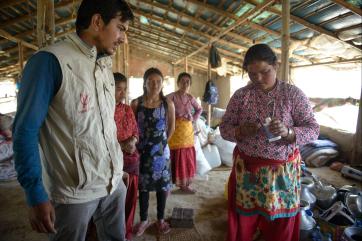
x=155, y=173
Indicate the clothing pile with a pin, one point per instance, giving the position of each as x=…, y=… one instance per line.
x=7, y=170
x=319, y=152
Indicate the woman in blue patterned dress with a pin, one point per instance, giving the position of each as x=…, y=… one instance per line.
x=156, y=123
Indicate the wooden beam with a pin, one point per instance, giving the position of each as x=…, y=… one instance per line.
x=8, y=36
x=27, y=33
x=188, y=29
x=348, y=6
x=21, y=56
x=186, y=65
x=200, y=33
x=213, y=9
x=285, y=40
x=33, y=14
x=359, y=25
x=344, y=61
x=240, y=21
x=7, y=3
x=45, y=22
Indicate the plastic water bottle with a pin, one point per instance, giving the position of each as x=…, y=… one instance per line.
x=269, y=135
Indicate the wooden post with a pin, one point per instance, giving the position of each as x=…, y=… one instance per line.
x=45, y=26
x=186, y=65
x=125, y=67
x=50, y=22
x=209, y=108
x=174, y=71
x=117, y=60
x=21, y=56
x=357, y=140
x=285, y=40
x=40, y=21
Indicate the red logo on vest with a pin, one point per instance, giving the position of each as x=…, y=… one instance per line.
x=84, y=100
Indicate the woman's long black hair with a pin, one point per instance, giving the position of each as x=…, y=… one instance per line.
x=259, y=52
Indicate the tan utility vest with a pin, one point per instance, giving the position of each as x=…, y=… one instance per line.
x=81, y=157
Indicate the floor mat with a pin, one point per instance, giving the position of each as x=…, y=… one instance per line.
x=182, y=234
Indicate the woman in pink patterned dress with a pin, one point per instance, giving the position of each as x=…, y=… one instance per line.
x=181, y=143
x=127, y=135
x=264, y=184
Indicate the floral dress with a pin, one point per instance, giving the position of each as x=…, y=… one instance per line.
x=155, y=172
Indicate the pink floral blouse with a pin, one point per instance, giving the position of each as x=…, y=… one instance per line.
x=184, y=104
x=285, y=102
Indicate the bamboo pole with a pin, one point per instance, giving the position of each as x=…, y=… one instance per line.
x=125, y=66
x=186, y=64
x=209, y=75
x=285, y=40
x=21, y=56
x=50, y=21
x=45, y=26
x=40, y=22
x=357, y=139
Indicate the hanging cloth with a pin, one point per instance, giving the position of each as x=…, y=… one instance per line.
x=214, y=57
x=211, y=94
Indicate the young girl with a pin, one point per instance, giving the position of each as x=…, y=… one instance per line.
x=127, y=135
x=156, y=122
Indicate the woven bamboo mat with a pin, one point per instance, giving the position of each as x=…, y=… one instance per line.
x=182, y=234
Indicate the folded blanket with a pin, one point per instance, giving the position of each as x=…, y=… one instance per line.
x=323, y=143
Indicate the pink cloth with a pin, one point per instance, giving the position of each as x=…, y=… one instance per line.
x=184, y=104
x=288, y=103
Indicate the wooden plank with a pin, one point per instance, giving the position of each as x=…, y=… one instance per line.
x=285, y=40
x=8, y=36
x=21, y=56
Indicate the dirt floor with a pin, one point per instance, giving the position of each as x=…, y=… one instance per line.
x=209, y=204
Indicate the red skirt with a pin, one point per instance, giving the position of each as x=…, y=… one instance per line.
x=183, y=162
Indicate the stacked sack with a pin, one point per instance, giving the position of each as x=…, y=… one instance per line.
x=319, y=152
x=7, y=170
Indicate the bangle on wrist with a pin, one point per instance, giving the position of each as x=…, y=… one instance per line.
x=290, y=132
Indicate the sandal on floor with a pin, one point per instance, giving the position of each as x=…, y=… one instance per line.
x=141, y=227
x=188, y=190
x=163, y=227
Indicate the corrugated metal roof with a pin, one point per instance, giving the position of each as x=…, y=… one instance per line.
x=178, y=28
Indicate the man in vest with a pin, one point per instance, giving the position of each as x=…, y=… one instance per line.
x=66, y=104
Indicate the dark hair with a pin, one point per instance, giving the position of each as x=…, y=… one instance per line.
x=108, y=10
x=184, y=74
x=119, y=78
x=259, y=52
